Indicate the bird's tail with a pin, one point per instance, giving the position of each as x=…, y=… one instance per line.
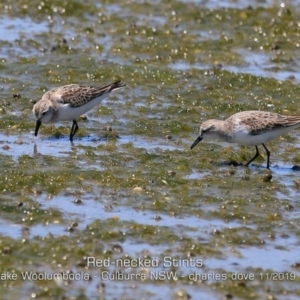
x=114, y=86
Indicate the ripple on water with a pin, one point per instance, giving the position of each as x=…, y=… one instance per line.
x=241, y=4
x=92, y=210
x=259, y=63
x=15, y=231
x=17, y=28
x=255, y=63
x=273, y=256
x=62, y=147
x=150, y=290
x=150, y=143
x=32, y=146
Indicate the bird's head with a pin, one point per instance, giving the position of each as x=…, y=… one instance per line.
x=43, y=112
x=208, y=130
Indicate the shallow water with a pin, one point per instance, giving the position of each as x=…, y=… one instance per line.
x=255, y=63
x=138, y=191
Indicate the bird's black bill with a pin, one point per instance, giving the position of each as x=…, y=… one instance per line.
x=197, y=141
x=37, y=127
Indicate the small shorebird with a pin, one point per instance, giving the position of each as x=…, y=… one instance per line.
x=249, y=128
x=68, y=102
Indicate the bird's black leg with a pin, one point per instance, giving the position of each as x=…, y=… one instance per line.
x=73, y=130
x=252, y=159
x=268, y=154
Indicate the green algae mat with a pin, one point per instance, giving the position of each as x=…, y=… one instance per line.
x=128, y=210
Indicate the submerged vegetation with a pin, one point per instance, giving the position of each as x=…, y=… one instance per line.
x=130, y=187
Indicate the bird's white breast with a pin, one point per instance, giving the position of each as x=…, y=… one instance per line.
x=244, y=138
x=66, y=112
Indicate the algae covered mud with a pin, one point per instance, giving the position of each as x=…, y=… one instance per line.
x=128, y=210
